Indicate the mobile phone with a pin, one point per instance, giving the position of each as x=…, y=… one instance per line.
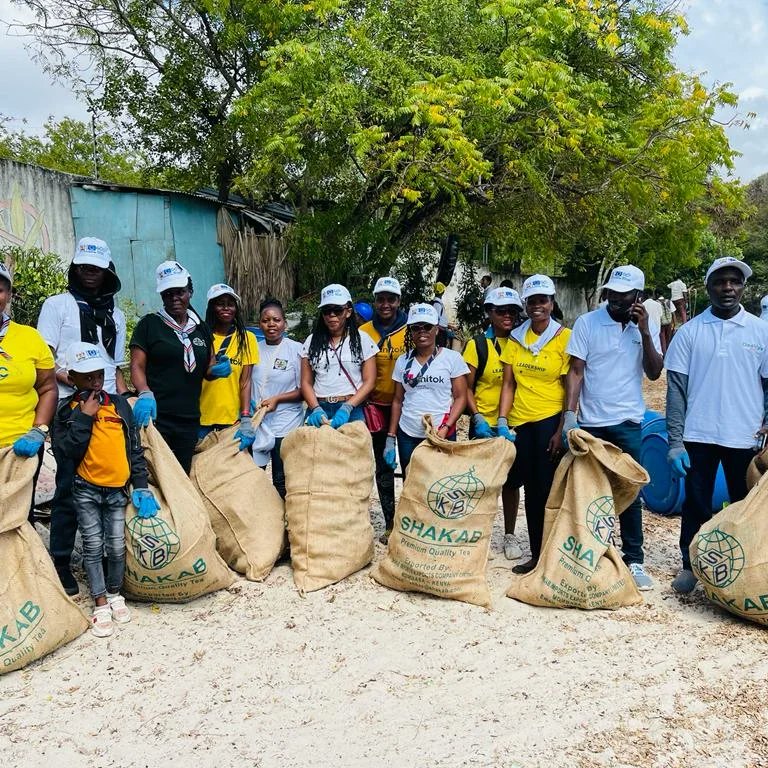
x=761, y=439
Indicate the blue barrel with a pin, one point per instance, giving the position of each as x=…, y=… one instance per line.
x=665, y=494
x=653, y=421
x=256, y=331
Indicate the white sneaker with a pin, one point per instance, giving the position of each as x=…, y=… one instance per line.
x=512, y=548
x=120, y=612
x=101, y=621
x=642, y=580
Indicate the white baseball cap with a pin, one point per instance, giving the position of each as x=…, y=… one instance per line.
x=729, y=261
x=170, y=274
x=387, y=285
x=221, y=289
x=91, y=250
x=4, y=272
x=504, y=297
x=83, y=357
x=625, y=279
x=422, y=313
x=538, y=285
x=334, y=295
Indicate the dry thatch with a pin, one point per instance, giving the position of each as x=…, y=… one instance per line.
x=256, y=265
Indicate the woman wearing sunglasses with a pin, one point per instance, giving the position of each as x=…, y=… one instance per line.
x=338, y=366
x=483, y=355
x=532, y=399
x=428, y=379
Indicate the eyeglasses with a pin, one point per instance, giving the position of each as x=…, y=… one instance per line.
x=332, y=310
x=421, y=328
x=508, y=310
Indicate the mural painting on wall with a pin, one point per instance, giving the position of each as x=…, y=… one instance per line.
x=21, y=223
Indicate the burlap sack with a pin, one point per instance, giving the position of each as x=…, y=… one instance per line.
x=171, y=558
x=443, y=522
x=328, y=479
x=36, y=616
x=730, y=558
x=579, y=565
x=757, y=468
x=245, y=510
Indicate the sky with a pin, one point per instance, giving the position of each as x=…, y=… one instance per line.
x=728, y=42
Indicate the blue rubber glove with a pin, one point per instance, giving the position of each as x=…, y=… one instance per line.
x=569, y=423
x=341, y=416
x=482, y=427
x=145, y=502
x=28, y=445
x=389, y=452
x=145, y=408
x=220, y=370
x=315, y=419
x=503, y=430
x=245, y=433
x=680, y=461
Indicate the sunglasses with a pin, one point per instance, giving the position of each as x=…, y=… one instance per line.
x=508, y=310
x=332, y=310
x=421, y=328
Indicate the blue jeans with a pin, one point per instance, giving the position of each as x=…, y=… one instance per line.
x=101, y=519
x=331, y=408
x=627, y=436
x=406, y=445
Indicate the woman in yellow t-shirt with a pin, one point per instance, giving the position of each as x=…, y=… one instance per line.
x=532, y=401
x=503, y=306
x=28, y=392
x=225, y=401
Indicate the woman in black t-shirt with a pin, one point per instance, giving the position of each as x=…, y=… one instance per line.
x=171, y=354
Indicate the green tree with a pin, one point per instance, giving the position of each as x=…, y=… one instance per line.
x=36, y=276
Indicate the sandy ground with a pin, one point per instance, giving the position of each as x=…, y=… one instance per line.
x=358, y=675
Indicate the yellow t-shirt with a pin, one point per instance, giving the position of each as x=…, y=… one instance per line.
x=23, y=353
x=539, y=387
x=220, y=398
x=106, y=462
x=391, y=349
x=488, y=387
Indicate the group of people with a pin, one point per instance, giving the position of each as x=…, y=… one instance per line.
x=527, y=379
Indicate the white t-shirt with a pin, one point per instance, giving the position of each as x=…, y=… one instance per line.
x=724, y=361
x=611, y=392
x=654, y=311
x=59, y=325
x=433, y=394
x=279, y=371
x=330, y=380
x=678, y=288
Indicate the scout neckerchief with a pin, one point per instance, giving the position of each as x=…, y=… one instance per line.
x=182, y=333
x=411, y=380
x=386, y=333
x=549, y=333
x=97, y=311
x=5, y=321
x=225, y=344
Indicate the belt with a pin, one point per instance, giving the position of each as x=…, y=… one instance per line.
x=334, y=399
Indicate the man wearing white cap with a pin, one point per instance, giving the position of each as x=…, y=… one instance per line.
x=387, y=330
x=610, y=349
x=86, y=312
x=717, y=397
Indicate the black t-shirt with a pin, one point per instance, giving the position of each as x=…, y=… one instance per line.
x=176, y=390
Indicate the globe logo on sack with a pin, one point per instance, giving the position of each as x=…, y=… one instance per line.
x=455, y=496
x=720, y=559
x=155, y=543
x=601, y=520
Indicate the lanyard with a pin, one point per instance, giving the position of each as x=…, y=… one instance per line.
x=411, y=380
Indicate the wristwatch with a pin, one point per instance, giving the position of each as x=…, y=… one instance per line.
x=43, y=428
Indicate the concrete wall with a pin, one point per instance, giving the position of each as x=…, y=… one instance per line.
x=34, y=209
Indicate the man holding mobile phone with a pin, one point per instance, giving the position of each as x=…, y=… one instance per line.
x=611, y=347
x=717, y=400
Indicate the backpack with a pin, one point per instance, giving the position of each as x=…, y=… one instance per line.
x=481, y=345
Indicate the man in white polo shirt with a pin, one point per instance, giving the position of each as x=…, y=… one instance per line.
x=717, y=379
x=610, y=349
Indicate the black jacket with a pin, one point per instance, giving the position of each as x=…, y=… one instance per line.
x=71, y=434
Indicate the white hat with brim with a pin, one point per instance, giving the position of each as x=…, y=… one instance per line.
x=422, y=313
x=626, y=278
x=221, y=289
x=170, y=274
x=83, y=357
x=334, y=295
x=91, y=250
x=538, y=285
x=729, y=261
x=387, y=285
x=503, y=297
x=5, y=273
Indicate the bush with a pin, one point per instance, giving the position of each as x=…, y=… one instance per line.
x=36, y=276
x=469, y=307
